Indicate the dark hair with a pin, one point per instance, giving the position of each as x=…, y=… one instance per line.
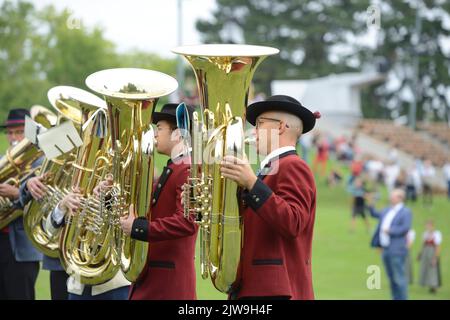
x=172, y=124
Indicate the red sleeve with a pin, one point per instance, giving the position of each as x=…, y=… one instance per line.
x=288, y=207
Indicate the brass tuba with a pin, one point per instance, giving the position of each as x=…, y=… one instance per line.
x=15, y=166
x=84, y=249
x=75, y=105
x=131, y=95
x=224, y=73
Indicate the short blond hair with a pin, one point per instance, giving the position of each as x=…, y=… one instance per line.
x=294, y=123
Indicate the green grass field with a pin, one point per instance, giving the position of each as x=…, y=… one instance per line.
x=341, y=258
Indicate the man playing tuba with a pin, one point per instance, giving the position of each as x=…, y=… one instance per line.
x=19, y=260
x=170, y=271
x=278, y=205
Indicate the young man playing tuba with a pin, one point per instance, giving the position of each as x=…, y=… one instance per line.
x=170, y=271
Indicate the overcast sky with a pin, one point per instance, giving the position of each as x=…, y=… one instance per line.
x=149, y=25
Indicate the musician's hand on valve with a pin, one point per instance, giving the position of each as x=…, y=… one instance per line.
x=127, y=222
x=36, y=187
x=71, y=202
x=9, y=191
x=238, y=170
x=103, y=185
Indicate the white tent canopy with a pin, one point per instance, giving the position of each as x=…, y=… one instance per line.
x=336, y=96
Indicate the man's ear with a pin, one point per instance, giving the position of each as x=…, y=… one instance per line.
x=176, y=135
x=282, y=128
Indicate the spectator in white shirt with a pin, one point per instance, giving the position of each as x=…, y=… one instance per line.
x=391, y=172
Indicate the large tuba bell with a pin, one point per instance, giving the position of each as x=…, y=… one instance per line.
x=131, y=95
x=15, y=166
x=224, y=73
x=72, y=104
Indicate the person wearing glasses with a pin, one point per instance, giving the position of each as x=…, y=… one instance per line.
x=277, y=205
x=19, y=260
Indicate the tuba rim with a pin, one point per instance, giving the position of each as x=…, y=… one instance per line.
x=149, y=83
x=225, y=50
x=59, y=94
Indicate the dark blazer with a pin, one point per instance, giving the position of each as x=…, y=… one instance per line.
x=278, y=215
x=170, y=270
x=22, y=248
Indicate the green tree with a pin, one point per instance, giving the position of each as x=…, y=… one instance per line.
x=40, y=49
x=400, y=41
x=68, y=51
x=305, y=31
x=319, y=37
x=20, y=77
x=142, y=59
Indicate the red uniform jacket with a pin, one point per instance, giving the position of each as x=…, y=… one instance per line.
x=278, y=216
x=170, y=270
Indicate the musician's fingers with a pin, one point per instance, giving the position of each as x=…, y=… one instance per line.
x=230, y=170
x=37, y=193
x=73, y=208
x=76, y=190
x=230, y=174
x=131, y=210
x=34, y=195
x=74, y=201
x=229, y=166
x=39, y=184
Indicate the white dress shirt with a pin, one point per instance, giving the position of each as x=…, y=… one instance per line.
x=275, y=154
x=385, y=239
x=58, y=215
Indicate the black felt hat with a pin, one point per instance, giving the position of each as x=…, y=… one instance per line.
x=16, y=117
x=168, y=112
x=286, y=104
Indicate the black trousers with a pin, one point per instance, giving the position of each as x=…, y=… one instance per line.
x=58, y=285
x=17, y=279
